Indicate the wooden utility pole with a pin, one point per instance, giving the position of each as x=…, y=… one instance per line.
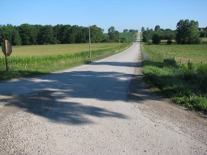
x=6, y=54
x=89, y=40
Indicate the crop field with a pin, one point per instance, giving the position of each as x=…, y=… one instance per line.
x=45, y=50
x=40, y=59
x=179, y=72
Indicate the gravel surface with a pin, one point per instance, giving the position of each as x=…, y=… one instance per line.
x=100, y=108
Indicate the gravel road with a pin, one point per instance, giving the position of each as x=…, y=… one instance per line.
x=100, y=108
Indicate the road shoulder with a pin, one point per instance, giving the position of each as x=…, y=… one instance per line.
x=162, y=111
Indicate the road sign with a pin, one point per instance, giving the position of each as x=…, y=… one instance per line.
x=6, y=48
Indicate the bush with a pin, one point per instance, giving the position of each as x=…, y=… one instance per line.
x=202, y=70
x=188, y=71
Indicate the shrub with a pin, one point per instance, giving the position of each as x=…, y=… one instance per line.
x=202, y=70
x=188, y=71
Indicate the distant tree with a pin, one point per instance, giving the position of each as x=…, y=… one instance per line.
x=113, y=34
x=187, y=32
x=157, y=28
x=16, y=39
x=28, y=34
x=156, y=39
x=125, y=30
x=83, y=35
x=61, y=33
x=167, y=34
x=203, y=32
x=147, y=35
x=11, y=33
x=96, y=34
x=133, y=31
x=45, y=35
x=111, y=29
x=142, y=29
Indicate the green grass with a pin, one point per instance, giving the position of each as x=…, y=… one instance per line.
x=34, y=60
x=194, y=53
x=45, y=50
x=184, y=82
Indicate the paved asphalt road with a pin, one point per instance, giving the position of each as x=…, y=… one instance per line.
x=85, y=110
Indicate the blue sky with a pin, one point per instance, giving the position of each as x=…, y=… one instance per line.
x=104, y=13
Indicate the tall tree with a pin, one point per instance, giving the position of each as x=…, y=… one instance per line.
x=11, y=33
x=113, y=34
x=45, y=35
x=157, y=28
x=28, y=34
x=96, y=34
x=125, y=30
x=187, y=32
x=142, y=29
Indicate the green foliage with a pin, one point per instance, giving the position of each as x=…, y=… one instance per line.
x=27, y=34
x=187, y=32
x=156, y=39
x=202, y=70
x=157, y=28
x=166, y=34
x=188, y=71
x=11, y=33
x=45, y=35
x=185, y=84
x=96, y=34
x=203, y=32
x=113, y=34
x=127, y=37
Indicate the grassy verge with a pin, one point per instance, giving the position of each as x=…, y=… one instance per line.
x=181, y=78
x=29, y=65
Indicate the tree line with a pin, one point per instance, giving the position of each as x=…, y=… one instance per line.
x=27, y=34
x=187, y=32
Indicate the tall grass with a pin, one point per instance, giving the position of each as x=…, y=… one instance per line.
x=34, y=63
x=184, y=79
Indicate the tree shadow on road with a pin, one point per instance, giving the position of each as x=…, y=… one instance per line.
x=49, y=95
x=45, y=105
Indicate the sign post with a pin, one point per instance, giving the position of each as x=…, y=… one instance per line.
x=7, y=50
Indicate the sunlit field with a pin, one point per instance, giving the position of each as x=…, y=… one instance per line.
x=45, y=50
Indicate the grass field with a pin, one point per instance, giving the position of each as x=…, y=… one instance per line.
x=40, y=59
x=45, y=50
x=194, y=53
x=177, y=72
